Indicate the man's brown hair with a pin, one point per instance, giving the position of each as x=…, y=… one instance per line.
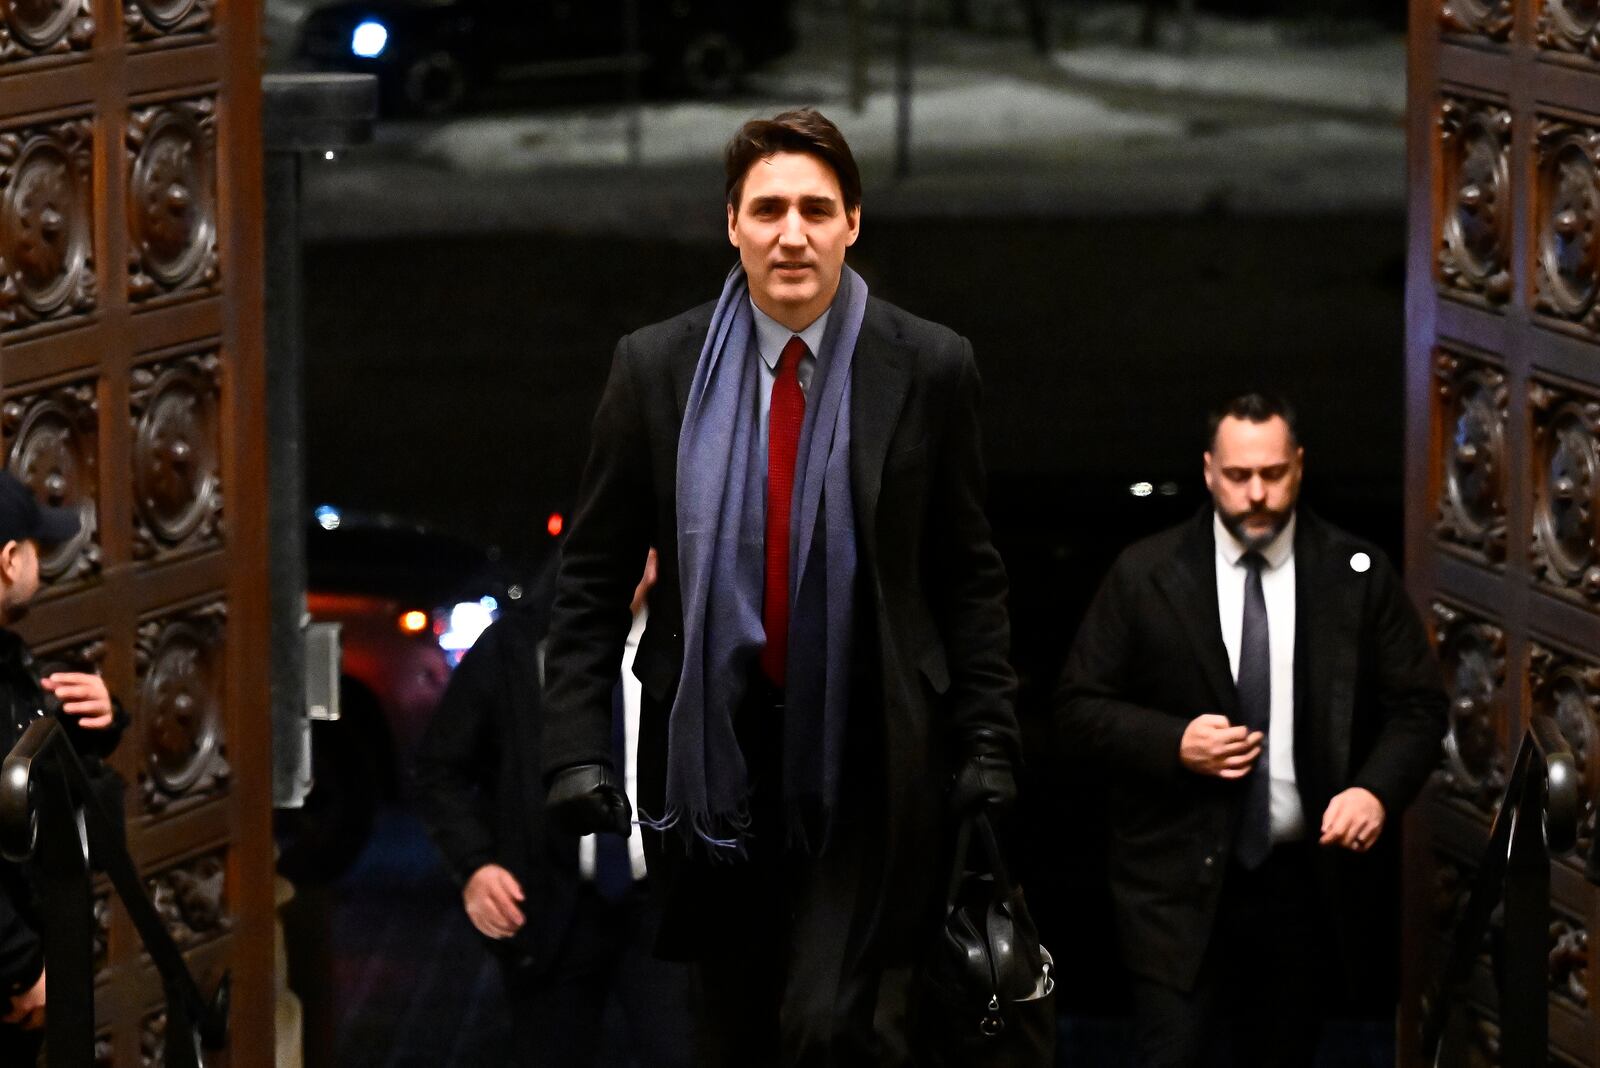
x=804, y=130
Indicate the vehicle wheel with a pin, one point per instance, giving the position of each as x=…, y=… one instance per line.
x=433, y=84
x=711, y=65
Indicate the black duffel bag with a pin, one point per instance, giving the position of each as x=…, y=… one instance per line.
x=985, y=994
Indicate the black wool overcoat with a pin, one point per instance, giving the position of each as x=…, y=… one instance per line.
x=479, y=791
x=932, y=631
x=1368, y=711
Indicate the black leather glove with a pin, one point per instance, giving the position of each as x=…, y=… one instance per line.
x=985, y=778
x=588, y=798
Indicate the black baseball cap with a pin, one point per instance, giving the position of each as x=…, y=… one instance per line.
x=23, y=517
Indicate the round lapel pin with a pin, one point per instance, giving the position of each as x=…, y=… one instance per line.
x=1360, y=563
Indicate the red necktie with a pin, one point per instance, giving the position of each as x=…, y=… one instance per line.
x=788, y=411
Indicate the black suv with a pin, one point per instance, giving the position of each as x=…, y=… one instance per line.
x=431, y=56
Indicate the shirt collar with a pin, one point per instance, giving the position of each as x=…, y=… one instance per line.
x=772, y=336
x=1231, y=549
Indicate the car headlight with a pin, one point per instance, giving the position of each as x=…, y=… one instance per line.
x=369, y=39
x=464, y=623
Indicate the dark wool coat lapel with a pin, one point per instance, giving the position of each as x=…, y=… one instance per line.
x=1189, y=581
x=1328, y=610
x=881, y=375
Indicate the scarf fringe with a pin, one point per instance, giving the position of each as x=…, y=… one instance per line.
x=725, y=835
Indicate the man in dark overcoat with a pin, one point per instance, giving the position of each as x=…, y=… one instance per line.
x=569, y=935
x=1261, y=696
x=825, y=667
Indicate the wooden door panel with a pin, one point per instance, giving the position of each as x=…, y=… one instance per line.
x=1503, y=402
x=131, y=376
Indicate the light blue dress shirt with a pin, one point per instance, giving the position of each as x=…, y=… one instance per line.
x=770, y=338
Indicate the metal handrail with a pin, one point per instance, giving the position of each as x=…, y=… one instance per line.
x=50, y=816
x=1538, y=817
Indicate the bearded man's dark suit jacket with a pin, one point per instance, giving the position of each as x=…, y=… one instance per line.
x=1368, y=711
x=932, y=638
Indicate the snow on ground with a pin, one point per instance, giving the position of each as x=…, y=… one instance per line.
x=995, y=113
x=1368, y=77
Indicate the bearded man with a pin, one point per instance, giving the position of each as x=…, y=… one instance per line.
x=1262, y=697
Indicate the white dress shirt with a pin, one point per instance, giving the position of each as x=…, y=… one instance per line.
x=632, y=692
x=1277, y=586
x=770, y=338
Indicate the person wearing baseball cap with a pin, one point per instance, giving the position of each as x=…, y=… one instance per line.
x=83, y=705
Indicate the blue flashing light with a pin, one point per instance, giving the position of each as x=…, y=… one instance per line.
x=369, y=39
x=327, y=517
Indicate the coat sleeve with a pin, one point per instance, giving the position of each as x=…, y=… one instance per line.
x=100, y=742
x=455, y=759
x=601, y=562
x=1098, y=721
x=970, y=585
x=1413, y=706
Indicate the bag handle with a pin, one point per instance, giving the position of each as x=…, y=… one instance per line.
x=978, y=821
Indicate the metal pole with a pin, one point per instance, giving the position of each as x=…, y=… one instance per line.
x=301, y=114
x=902, y=124
x=635, y=60
x=66, y=926
x=1189, y=34
x=1524, y=993
x=858, y=56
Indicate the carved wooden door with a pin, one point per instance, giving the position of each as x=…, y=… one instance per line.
x=1503, y=403
x=131, y=372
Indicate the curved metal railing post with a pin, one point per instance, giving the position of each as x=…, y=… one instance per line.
x=1538, y=816
x=49, y=816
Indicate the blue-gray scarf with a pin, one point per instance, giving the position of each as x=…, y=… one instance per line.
x=721, y=506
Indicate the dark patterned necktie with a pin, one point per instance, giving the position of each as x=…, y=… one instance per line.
x=787, y=412
x=1254, y=686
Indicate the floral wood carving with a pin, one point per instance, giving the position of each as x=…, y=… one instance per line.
x=1569, y=961
x=176, y=455
x=1571, y=26
x=102, y=931
x=44, y=27
x=1480, y=18
x=190, y=901
x=179, y=662
x=1472, y=400
x=149, y=20
x=46, y=235
x=87, y=655
x=1566, y=480
x=1567, y=266
x=1452, y=884
x=1475, y=227
x=172, y=203
x=1567, y=689
x=1473, y=653
x=54, y=447
x=153, y=1040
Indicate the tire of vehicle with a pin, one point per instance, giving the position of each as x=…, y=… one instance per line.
x=433, y=84
x=711, y=65
x=321, y=840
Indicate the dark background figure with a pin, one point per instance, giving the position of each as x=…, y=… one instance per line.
x=1262, y=699
x=94, y=724
x=567, y=939
x=791, y=941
